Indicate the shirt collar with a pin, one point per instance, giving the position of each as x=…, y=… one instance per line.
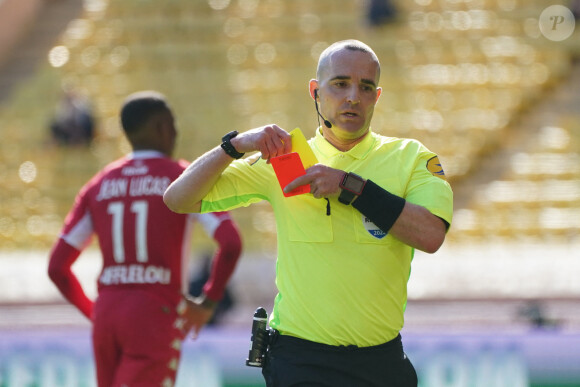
x=144, y=154
x=359, y=151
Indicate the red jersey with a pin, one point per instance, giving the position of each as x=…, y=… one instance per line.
x=143, y=243
x=144, y=247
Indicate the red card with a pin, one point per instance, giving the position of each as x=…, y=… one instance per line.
x=287, y=168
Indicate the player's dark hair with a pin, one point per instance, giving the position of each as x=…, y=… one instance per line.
x=139, y=107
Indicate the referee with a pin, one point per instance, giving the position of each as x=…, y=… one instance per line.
x=344, y=249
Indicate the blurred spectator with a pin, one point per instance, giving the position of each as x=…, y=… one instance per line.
x=380, y=12
x=73, y=123
x=535, y=314
x=575, y=8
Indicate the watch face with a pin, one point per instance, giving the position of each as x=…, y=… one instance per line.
x=354, y=184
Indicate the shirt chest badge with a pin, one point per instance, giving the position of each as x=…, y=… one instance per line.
x=372, y=228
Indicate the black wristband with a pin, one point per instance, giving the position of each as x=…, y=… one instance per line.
x=228, y=147
x=379, y=205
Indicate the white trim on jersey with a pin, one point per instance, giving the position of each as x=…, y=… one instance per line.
x=80, y=235
x=144, y=154
x=210, y=222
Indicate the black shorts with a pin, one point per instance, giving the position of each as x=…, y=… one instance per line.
x=295, y=362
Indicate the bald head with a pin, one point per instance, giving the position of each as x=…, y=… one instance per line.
x=352, y=45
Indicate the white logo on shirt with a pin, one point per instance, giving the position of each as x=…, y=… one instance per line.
x=135, y=274
x=137, y=169
x=137, y=186
x=372, y=228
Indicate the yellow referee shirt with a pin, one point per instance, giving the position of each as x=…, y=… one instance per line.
x=340, y=279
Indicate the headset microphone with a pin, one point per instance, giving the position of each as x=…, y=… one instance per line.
x=326, y=122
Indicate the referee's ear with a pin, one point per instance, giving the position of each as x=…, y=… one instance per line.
x=313, y=88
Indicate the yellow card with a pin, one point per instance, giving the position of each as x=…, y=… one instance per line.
x=300, y=146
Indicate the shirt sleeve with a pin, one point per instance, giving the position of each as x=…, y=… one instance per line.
x=226, y=234
x=62, y=257
x=428, y=187
x=243, y=182
x=76, y=235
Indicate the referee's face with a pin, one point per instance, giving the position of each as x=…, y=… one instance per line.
x=349, y=92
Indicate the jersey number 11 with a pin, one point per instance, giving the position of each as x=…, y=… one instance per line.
x=117, y=210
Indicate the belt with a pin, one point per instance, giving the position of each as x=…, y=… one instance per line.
x=276, y=336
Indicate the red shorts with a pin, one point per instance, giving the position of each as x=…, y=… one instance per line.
x=136, y=339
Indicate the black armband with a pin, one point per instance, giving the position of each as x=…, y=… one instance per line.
x=379, y=205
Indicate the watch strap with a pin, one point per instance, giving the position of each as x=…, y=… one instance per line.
x=346, y=197
x=228, y=147
x=348, y=194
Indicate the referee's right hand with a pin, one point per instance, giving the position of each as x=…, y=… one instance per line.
x=269, y=140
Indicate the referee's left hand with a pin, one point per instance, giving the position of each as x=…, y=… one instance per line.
x=323, y=181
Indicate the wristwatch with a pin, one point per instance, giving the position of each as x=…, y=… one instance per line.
x=352, y=186
x=228, y=147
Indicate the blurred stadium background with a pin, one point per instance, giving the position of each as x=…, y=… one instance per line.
x=492, y=86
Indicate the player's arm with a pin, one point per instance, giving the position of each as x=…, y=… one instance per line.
x=186, y=192
x=226, y=234
x=62, y=257
x=227, y=254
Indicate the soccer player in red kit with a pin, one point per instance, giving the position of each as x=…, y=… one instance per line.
x=141, y=315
